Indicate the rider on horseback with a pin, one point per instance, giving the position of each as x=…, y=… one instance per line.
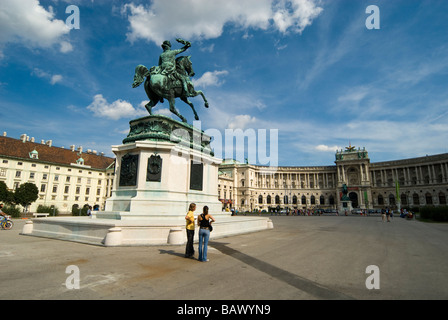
x=167, y=63
x=169, y=80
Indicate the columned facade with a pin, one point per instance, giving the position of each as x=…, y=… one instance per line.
x=410, y=182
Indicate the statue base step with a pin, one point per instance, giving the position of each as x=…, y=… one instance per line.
x=111, y=232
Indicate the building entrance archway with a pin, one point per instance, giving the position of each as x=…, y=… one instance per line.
x=354, y=198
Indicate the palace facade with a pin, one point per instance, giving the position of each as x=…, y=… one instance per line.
x=66, y=178
x=408, y=183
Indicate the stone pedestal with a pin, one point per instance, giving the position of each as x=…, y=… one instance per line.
x=161, y=168
x=345, y=207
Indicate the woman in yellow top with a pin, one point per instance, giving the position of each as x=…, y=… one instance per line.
x=189, y=250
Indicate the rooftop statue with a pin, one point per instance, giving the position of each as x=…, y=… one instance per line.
x=169, y=80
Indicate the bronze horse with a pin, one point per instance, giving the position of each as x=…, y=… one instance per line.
x=159, y=86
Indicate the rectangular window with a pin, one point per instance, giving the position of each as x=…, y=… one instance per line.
x=43, y=187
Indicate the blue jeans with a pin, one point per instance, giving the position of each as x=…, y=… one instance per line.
x=204, y=235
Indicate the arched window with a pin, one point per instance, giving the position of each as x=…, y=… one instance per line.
x=303, y=200
x=313, y=200
x=331, y=200
x=260, y=199
x=268, y=199
x=428, y=197
x=322, y=200
x=391, y=200
x=416, y=199
x=404, y=200
x=277, y=199
x=380, y=200
x=294, y=199
x=442, y=198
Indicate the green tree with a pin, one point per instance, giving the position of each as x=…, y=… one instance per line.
x=26, y=194
x=6, y=196
x=3, y=191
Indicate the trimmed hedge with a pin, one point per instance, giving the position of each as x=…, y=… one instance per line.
x=48, y=209
x=12, y=210
x=439, y=214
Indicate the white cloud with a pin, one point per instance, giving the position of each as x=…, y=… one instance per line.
x=115, y=110
x=294, y=15
x=66, y=47
x=27, y=22
x=355, y=95
x=242, y=122
x=205, y=19
x=53, y=79
x=56, y=78
x=163, y=112
x=325, y=148
x=209, y=49
x=210, y=79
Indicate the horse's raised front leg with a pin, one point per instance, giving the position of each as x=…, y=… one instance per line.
x=199, y=92
x=185, y=99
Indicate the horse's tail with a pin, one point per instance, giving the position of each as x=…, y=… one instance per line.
x=141, y=72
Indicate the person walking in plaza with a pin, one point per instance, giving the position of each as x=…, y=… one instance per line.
x=204, y=221
x=189, y=250
x=383, y=214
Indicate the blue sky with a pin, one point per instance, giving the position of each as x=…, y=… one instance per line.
x=307, y=68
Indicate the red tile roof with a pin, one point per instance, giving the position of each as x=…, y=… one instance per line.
x=15, y=148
